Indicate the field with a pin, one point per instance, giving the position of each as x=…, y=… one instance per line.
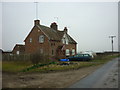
x=19, y=66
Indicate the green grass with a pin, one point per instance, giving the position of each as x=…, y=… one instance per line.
x=15, y=66
x=18, y=66
x=105, y=58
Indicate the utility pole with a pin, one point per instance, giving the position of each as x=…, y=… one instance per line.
x=112, y=41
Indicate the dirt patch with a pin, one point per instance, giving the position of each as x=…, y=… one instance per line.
x=46, y=80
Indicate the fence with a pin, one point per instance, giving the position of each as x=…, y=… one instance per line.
x=34, y=58
x=10, y=57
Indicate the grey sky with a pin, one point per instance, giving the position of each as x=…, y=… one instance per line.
x=89, y=23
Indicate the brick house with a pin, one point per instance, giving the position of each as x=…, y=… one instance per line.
x=18, y=49
x=50, y=41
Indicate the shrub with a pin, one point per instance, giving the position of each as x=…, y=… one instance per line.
x=36, y=57
x=39, y=58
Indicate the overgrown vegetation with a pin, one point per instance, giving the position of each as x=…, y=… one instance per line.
x=15, y=66
x=18, y=66
x=37, y=57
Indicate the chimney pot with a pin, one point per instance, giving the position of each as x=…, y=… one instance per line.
x=65, y=30
x=54, y=26
x=36, y=22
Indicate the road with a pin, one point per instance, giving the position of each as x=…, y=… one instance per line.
x=104, y=77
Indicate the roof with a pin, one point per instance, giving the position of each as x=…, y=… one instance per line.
x=5, y=51
x=1, y=50
x=71, y=40
x=53, y=34
x=21, y=46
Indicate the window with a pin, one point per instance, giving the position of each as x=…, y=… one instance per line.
x=76, y=56
x=65, y=39
x=30, y=40
x=73, y=51
x=86, y=55
x=67, y=52
x=41, y=38
x=17, y=52
x=52, y=52
x=52, y=44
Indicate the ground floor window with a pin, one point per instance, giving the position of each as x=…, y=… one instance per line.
x=52, y=52
x=18, y=52
x=67, y=52
x=73, y=51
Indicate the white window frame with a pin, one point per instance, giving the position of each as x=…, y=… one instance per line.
x=30, y=40
x=65, y=39
x=73, y=51
x=67, y=52
x=41, y=39
x=17, y=52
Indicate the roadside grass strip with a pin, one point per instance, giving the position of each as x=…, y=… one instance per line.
x=27, y=66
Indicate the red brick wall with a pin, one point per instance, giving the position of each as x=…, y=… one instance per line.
x=35, y=45
x=21, y=49
x=71, y=46
x=46, y=46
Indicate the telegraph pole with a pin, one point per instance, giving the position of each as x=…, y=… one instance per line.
x=112, y=41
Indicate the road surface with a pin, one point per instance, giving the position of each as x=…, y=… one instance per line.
x=104, y=77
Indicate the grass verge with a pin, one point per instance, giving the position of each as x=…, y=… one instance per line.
x=17, y=66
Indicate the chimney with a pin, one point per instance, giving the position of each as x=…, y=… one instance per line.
x=54, y=26
x=36, y=22
x=65, y=30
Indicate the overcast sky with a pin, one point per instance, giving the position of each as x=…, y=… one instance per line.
x=89, y=23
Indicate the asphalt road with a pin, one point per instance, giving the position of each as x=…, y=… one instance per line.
x=104, y=77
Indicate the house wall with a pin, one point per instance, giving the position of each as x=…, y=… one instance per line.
x=49, y=47
x=53, y=46
x=71, y=46
x=35, y=46
x=21, y=49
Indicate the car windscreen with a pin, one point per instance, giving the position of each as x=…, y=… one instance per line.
x=86, y=55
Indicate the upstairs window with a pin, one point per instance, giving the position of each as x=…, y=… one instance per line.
x=41, y=39
x=17, y=52
x=30, y=40
x=65, y=39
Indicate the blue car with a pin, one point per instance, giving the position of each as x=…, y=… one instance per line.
x=80, y=57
